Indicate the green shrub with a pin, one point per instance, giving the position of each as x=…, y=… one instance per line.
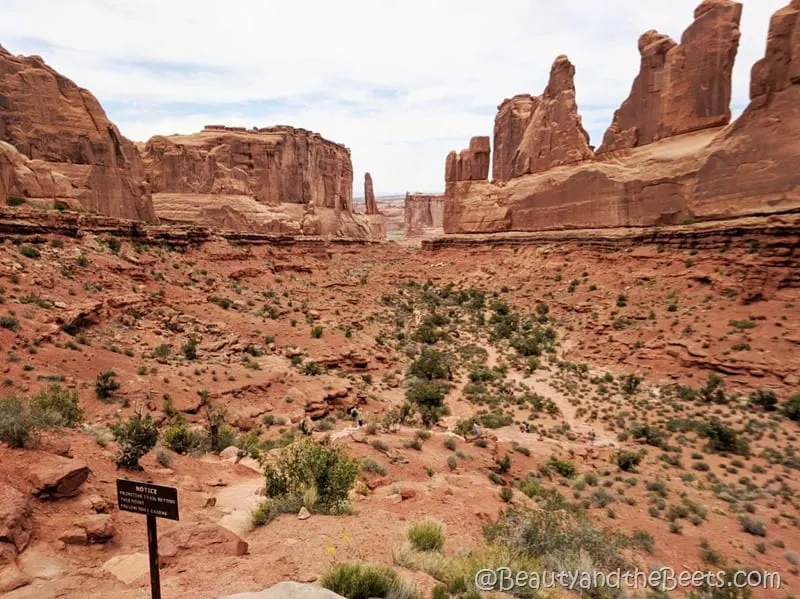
x=431, y=365
x=181, y=440
x=18, y=426
x=15, y=201
x=506, y=494
x=723, y=438
x=57, y=407
x=136, y=436
x=563, y=467
x=308, y=465
x=426, y=535
x=106, y=385
x=366, y=581
x=10, y=322
x=752, y=526
x=373, y=466
x=190, y=348
x=317, y=331
x=452, y=463
x=627, y=461
x=764, y=399
x=428, y=398
x=791, y=409
x=29, y=251
x=643, y=539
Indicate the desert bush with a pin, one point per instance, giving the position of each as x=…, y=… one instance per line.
x=136, y=436
x=426, y=535
x=428, y=399
x=643, y=540
x=753, y=526
x=15, y=201
x=356, y=580
x=29, y=251
x=57, y=407
x=18, y=426
x=764, y=399
x=106, y=385
x=791, y=409
x=307, y=464
x=182, y=440
x=627, y=461
x=722, y=438
x=563, y=467
x=190, y=348
x=373, y=466
x=452, y=463
x=431, y=365
x=10, y=322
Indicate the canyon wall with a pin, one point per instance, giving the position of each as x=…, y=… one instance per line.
x=63, y=137
x=668, y=157
x=423, y=214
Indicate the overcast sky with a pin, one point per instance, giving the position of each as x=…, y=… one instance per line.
x=401, y=82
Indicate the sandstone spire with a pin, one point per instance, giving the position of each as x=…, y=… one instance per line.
x=369, y=195
x=471, y=164
x=680, y=87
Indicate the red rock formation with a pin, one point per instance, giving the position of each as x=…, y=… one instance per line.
x=424, y=214
x=48, y=118
x=680, y=87
x=268, y=180
x=275, y=165
x=554, y=134
x=370, y=205
x=749, y=167
x=510, y=124
x=471, y=164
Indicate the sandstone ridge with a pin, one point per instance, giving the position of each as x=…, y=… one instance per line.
x=667, y=166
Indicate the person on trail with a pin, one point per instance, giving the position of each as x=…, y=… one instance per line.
x=305, y=426
x=526, y=427
x=476, y=430
x=592, y=436
x=358, y=420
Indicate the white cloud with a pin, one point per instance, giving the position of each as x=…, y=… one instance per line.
x=400, y=83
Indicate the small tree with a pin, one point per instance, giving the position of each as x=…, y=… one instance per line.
x=136, y=437
x=764, y=399
x=791, y=408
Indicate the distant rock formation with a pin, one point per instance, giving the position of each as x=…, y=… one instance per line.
x=680, y=87
x=268, y=180
x=471, y=164
x=371, y=206
x=67, y=136
x=674, y=160
x=533, y=134
x=424, y=214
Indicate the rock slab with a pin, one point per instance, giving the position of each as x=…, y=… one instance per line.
x=288, y=590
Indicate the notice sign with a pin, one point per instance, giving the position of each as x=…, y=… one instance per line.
x=147, y=499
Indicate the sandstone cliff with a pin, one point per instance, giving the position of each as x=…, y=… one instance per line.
x=748, y=167
x=65, y=133
x=680, y=87
x=424, y=214
x=266, y=180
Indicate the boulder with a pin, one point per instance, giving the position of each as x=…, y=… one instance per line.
x=288, y=590
x=56, y=477
x=680, y=87
x=97, y=528
x=15, y=518
x=198, y=539
x=11, y=577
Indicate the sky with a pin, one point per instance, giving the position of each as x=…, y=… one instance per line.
x=401, y=83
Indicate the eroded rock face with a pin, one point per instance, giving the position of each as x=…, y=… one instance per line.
x=59, y=125
x=471, y=164
x=746, y=168
x=371, y=206
x=270, y=180
x=274, y=165
x=552, y=131
x=680, y=87
x=423, y=213
x=15, y=519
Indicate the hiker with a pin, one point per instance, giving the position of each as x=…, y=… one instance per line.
x=305, y=426
x=592, y=436
x=476, y=430
x=526, y=427
x=356, y=415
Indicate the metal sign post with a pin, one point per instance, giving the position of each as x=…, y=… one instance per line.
x=154, y=501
